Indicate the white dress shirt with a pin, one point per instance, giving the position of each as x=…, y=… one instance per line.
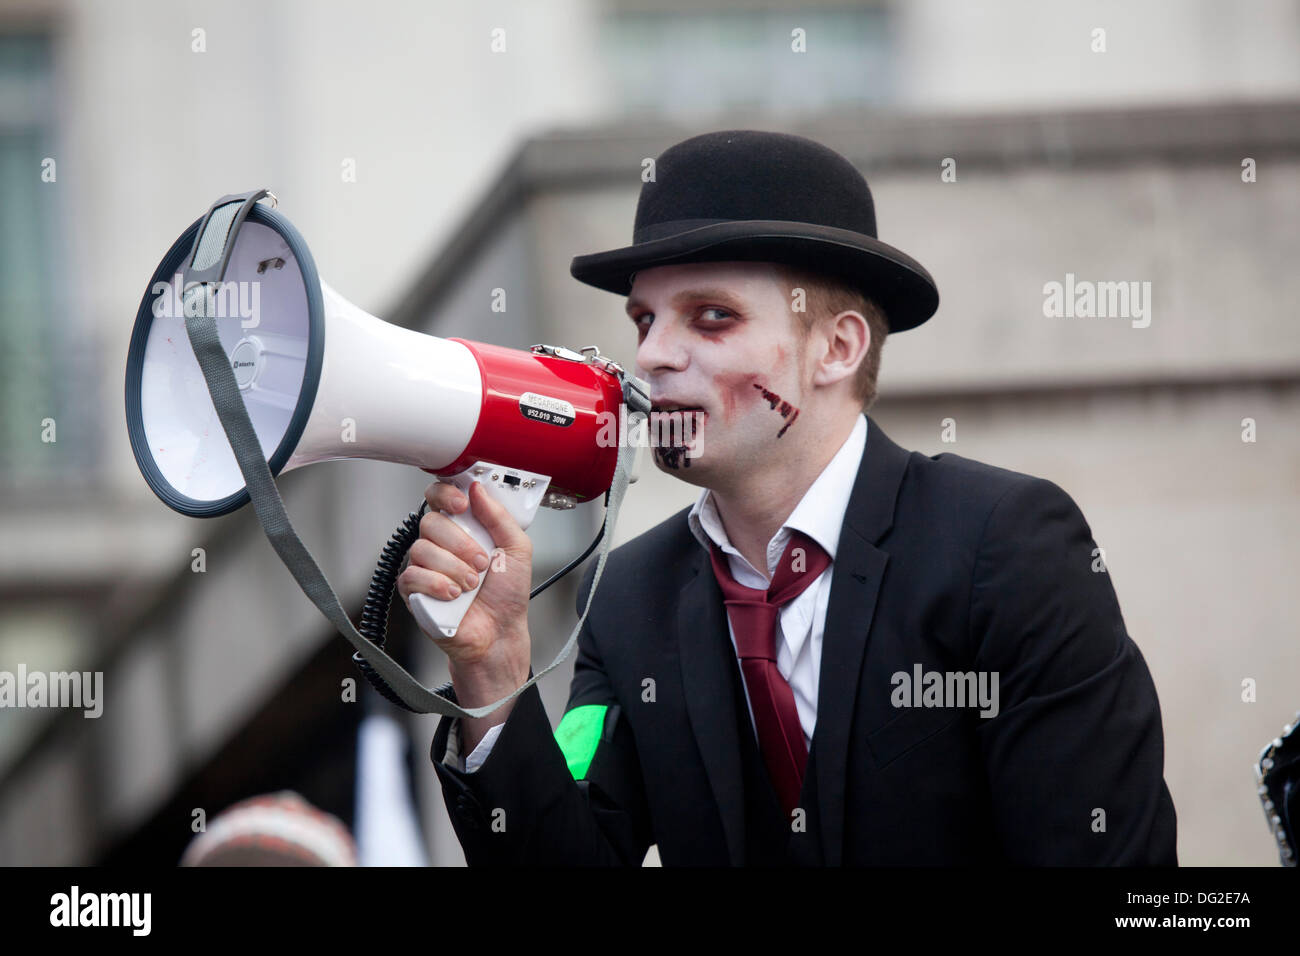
x=801, y=624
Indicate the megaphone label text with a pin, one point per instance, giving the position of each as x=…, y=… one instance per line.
x=543, y=408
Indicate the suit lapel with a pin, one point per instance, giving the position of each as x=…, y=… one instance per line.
x=856, y=575
x=704, y=650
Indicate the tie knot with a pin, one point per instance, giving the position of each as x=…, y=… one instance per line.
x=801, y=563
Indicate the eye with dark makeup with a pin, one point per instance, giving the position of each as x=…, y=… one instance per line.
x=725, y=315
x=636, y=323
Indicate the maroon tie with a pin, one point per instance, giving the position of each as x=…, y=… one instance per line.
x=753, y=616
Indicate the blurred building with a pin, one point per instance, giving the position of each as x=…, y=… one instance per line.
x=489, y=146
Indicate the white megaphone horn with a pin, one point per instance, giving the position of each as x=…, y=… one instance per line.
x=321, y=379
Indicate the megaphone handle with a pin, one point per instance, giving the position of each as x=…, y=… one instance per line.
x=520, y=493
x=442, y=618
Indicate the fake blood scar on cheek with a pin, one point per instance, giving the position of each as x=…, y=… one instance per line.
x=776, y=403
x=734, y=388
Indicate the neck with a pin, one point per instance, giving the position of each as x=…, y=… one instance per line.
x=754, y=509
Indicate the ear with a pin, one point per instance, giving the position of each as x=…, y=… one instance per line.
x=842, y=343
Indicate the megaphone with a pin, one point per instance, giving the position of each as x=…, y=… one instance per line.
x=321, y=379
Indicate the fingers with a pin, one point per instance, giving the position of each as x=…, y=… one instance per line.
x=446, y=561
x=431, y=557
x=438, y=529
x=444, y=496
x=419, y=580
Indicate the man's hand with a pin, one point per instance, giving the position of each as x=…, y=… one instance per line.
x=489, y=656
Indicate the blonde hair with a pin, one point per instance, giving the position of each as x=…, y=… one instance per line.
x=825, y=297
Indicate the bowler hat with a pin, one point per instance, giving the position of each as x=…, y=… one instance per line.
x=757, y=196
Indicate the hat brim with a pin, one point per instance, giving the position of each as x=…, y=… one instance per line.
x=896, y=281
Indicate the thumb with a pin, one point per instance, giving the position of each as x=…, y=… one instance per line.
x=497, y=521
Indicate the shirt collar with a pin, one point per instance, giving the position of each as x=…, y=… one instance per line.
x=819, y=513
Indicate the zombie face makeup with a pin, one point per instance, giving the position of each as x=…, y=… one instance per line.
x=720, y=347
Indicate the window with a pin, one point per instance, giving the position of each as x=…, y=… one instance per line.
x=690, y=61
x=44, y=372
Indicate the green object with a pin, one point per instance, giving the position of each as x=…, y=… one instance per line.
x=578, y=734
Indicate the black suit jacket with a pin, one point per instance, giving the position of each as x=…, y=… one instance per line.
x=942, y=561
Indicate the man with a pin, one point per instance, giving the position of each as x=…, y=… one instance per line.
x=845, y=652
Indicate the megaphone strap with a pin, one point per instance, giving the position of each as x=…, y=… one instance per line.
x=216, y=237
x=233, y=415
